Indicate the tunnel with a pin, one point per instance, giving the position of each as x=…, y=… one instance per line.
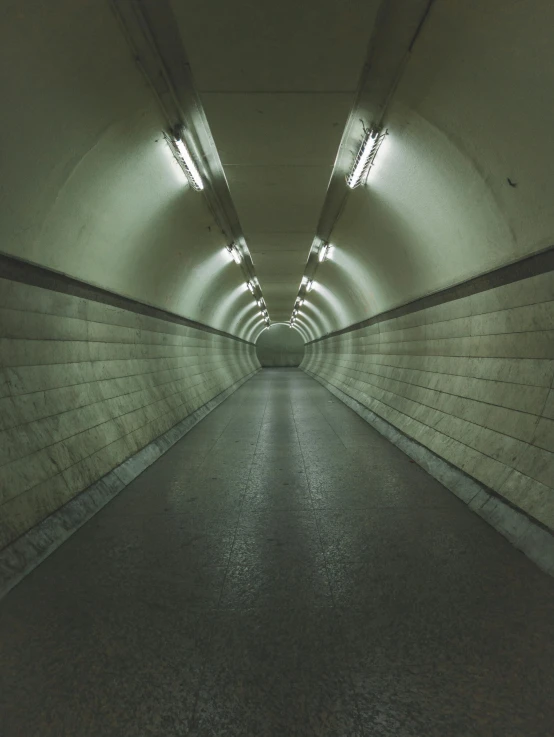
x=277, y=368
x=280, y=347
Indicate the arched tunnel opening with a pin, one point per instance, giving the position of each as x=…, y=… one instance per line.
x=280, y=346
x=196, y=197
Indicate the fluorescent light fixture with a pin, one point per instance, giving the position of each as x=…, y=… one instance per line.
x=309, y=285
x=190, y=167
x=301, y=302
x=365, y=157
x=305, y=280
x=325, y=252
x=250, y=286
x=235, y=253
x=260, y=303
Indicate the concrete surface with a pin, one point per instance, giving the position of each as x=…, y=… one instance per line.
x=528, y=535
x=282, y=570
x=280, y=345
x=472, y=380
x=25, y=552
x=277, y=93
x=84, y=386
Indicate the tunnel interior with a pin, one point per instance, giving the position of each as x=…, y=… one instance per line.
x=280, y=346
x=197, y=194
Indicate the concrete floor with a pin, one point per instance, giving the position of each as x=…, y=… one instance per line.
x=283, y=570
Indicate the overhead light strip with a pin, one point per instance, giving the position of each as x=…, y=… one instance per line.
x=325, y=251
x=191, y=169
x=235, y=253
x=365, y=157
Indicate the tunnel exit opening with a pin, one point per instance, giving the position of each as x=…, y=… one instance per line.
x=280, y=346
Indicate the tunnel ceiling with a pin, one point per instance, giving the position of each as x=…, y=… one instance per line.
x=277, y=90
x=462, y=185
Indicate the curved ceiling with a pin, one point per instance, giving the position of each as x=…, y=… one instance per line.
x=461, y=185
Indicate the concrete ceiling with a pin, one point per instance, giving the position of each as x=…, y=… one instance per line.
x=277, y=82
x=91, y=189
x=470, y=113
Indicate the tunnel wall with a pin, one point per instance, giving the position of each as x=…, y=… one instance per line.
x=470, y=379
x=85, y=385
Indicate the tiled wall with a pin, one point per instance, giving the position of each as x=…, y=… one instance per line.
x=84, y=385
x=471, y=379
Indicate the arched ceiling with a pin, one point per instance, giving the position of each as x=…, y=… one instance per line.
x=462, y=184
x=277, y=82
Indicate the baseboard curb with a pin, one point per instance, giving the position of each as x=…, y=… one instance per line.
x=523, y=532
x=24, y=554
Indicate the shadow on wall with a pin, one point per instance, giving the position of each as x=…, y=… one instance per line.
x=280, y=345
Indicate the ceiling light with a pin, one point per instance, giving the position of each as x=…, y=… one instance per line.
x=365, y=157
x=325, y=252
x=190, y=167
x=304, y=280
x=309, y=285
x=250, y=286
x=235, y=253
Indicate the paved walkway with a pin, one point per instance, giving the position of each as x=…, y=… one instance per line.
x=282, y=571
